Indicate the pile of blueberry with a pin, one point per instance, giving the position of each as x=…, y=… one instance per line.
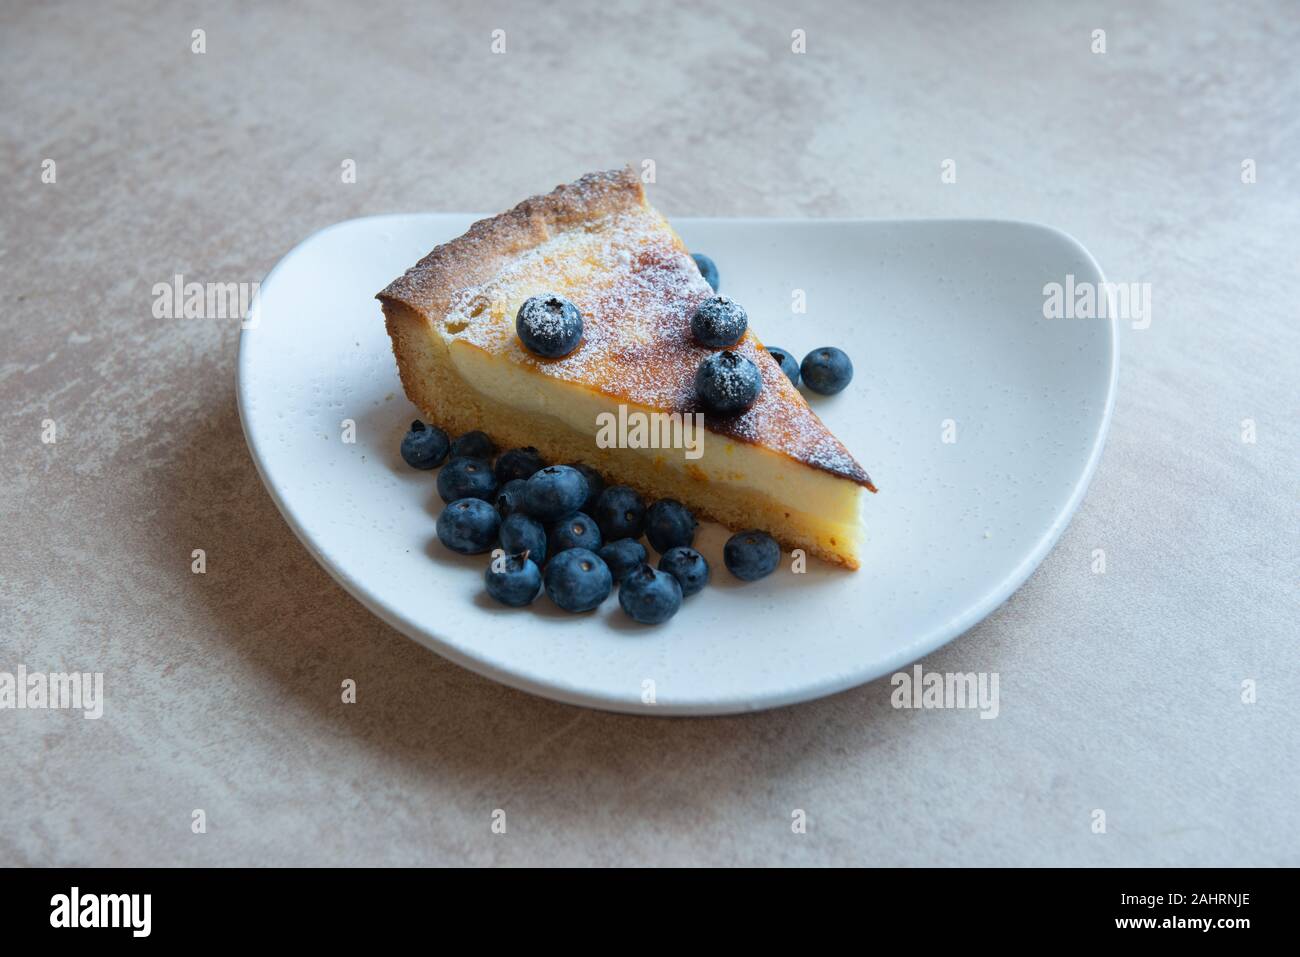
x=826, y=370
x=728, y=382
x=560, y=528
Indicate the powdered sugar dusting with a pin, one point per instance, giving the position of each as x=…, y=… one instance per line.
x=637, y=289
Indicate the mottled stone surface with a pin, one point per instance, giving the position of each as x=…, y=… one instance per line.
x=1119, y=691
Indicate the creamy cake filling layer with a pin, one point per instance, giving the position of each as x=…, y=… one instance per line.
x=822, y=501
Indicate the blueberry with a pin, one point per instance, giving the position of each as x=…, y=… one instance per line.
x=688, y=566
x=553, y=492
x=467, y=478
x=826, y=370
x=719, y=322
x=577, y=580
x=727, y=383
x=510, y=497
x=573, y=531
x=468, y=526
x=473, y=445
x=751, y=555
x=620, y=513
x=425, y=446
x=650, y=596
x=518, y=464
x=513, y=580
x=622, y=556
x=520, y=534
x=786, y=362
x=549, y=326
x=707, y=269
x=595, y=485
x=668, y=524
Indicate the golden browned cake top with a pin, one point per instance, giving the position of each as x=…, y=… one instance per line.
x=599, y=244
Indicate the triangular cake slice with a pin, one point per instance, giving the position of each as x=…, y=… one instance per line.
x=599, y=244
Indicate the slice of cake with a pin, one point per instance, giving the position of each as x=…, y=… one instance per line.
x=624, y=400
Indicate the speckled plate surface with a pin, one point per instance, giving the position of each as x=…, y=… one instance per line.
x=980, y=420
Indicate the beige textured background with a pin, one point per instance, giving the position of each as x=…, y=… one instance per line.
x=1119, y=692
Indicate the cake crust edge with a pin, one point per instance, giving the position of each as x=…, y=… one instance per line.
x=427, y=287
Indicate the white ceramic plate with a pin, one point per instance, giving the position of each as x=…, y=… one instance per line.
x=943, y=321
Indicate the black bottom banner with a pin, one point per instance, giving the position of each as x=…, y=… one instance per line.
x=132, y=907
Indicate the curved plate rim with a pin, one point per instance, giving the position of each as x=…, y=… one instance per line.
x=925, y=644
